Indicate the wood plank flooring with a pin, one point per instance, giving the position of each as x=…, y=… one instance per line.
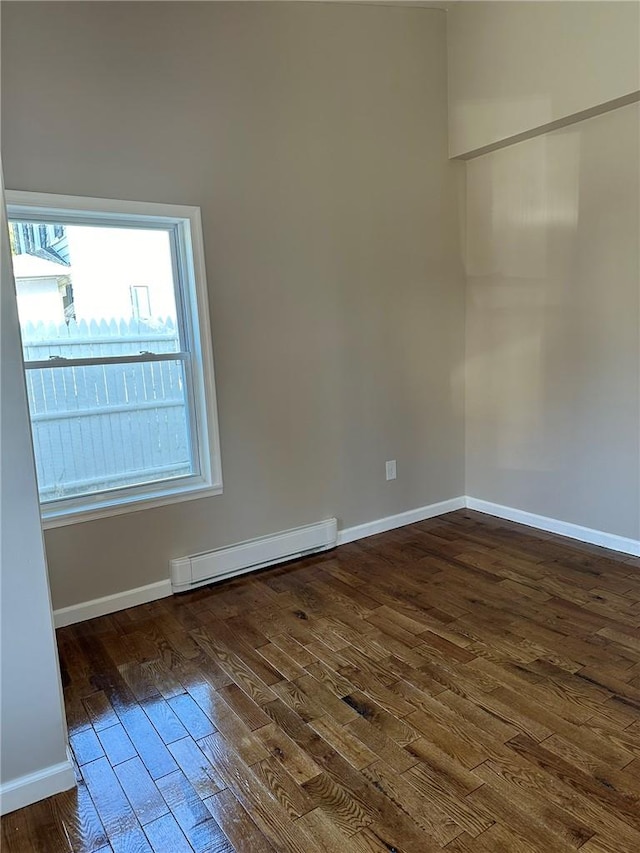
x=463, y=684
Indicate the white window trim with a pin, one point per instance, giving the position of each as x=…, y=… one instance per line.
x=188, y=224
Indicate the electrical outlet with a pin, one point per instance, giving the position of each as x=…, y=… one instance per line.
x=391, y=469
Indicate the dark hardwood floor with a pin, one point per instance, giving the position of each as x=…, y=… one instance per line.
x=463, y=683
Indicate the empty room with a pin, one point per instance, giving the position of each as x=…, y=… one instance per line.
x=320, y=426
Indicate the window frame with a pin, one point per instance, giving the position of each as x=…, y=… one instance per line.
x=185, y=227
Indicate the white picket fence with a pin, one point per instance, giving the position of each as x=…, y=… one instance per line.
x=96, y=338
x=105, y=426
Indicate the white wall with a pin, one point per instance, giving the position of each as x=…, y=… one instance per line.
x=39, y=301
x=552, y=252
x=551, y=237
x=313, y=137
x=516, y=66
x=33, y=758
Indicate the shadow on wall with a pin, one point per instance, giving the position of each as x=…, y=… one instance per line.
x=522, y=223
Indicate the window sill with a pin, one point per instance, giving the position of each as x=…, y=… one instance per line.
x=58, y=517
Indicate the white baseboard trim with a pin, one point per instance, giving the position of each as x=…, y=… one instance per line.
x=563, y=528
x=36, y=786
x=162, y=589
x=111, y=603
x=381, y=525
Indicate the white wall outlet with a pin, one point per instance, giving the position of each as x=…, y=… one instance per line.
x=391, y=469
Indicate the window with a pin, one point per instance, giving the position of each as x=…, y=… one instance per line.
x=119, y=375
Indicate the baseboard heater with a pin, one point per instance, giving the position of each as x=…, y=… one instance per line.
x=199, y=569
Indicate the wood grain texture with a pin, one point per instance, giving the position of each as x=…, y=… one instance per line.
x=463, y=684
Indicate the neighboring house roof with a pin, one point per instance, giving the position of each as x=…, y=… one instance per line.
x=30, y=266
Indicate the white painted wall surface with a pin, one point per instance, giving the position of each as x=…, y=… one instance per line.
x=313, y=137
x=33, y=757
x=514, y=66
x=553, y=332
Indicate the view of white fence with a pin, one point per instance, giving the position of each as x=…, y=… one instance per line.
x=107, y=337
x=105, y=426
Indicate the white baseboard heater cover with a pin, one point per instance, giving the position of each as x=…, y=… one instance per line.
x=190, y=572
